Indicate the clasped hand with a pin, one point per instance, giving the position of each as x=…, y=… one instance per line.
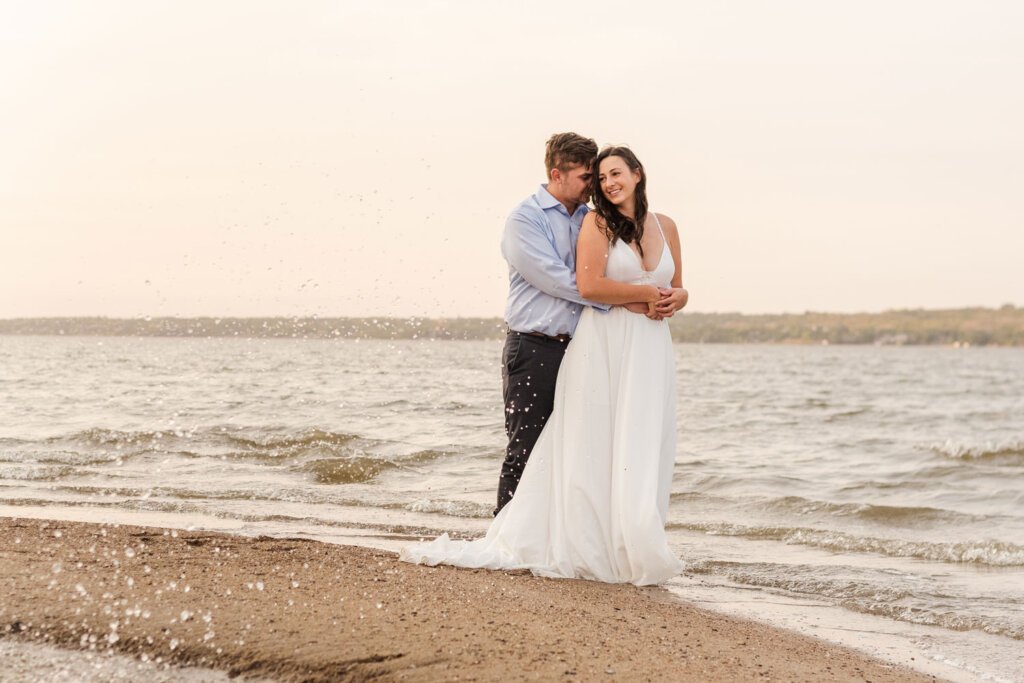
x=672, y=300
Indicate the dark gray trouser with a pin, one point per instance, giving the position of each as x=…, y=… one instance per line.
x=529, y=368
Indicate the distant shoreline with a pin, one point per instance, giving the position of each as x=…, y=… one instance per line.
x=953, y=327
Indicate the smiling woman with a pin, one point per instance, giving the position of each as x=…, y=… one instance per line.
x=621, y=201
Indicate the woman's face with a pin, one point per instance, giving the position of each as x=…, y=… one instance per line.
x=618, y=181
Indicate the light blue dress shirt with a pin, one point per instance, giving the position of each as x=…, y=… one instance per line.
x=539, y=244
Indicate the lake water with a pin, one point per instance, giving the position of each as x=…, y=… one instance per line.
x=883, y=485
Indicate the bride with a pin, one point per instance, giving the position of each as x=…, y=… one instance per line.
x=593, y=499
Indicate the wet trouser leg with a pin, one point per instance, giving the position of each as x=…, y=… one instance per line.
x=529, y=368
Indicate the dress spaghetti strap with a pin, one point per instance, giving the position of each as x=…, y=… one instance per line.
x=658, y=223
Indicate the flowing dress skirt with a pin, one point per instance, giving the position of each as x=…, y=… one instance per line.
x=593, y=499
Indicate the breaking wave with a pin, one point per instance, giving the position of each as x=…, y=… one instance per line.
x=881, y=514
x=984, y=552
x=1007, y=453
x=356, y=469
x=452, y=508
x=884, y=594
x=330, y=457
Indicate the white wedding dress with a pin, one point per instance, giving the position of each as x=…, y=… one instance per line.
x=593, y=499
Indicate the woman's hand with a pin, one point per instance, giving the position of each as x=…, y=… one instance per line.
x=647, y=309
x=673, y=300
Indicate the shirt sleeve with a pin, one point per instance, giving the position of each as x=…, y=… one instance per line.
x=526, y=247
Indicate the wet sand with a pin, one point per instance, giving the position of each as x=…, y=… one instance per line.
x=297, y=610
x=32, y=662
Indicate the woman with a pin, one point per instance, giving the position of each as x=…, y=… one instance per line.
x=593, y=499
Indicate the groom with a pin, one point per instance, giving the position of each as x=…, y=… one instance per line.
x=544, y=305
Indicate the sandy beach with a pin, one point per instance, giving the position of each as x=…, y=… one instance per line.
x=297, y=610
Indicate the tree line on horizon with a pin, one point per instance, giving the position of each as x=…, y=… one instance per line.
x=1002, y=326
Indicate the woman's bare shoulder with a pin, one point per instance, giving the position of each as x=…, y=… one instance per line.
x=593, y=221
x=668, y=225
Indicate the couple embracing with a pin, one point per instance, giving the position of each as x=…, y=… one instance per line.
x=588, y=377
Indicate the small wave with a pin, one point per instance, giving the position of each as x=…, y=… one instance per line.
x=98, y=445
x=847, y=414
x=267, y=445
x=987, y=552
x=953, y=620
x=697, y=497
x=863, y=590
x=104, y=491
x=424, y=456
x=346, y=470
x=884, y=514
x=214, y=436
x=356, y=469
x=709, y=482
x=812, y=403
x=34, y=472
x=142, y=504
x=393, y=403
x=266, y=494
x=314, y=438
x=65, y=457
x=808, y=579
x=1009, y=453
x=452, y=508
x=113, y=438
x=876, y=485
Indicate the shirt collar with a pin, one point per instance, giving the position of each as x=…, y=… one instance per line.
x=546, y=200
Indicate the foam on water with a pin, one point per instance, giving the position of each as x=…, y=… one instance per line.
x=985, y=552
x=1008, y=453
x=452, y=508
x=883, y=592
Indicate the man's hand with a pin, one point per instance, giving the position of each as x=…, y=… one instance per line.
x=645, y=309
x=672, y=301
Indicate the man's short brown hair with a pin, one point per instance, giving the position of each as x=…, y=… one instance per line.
x=568, y=149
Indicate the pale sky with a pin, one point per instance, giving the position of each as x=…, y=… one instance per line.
x=359, y=158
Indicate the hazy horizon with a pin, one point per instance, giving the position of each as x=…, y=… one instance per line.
x=498, y=315
x=258, y=159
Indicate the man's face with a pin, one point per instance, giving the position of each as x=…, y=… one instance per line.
x=573, y=183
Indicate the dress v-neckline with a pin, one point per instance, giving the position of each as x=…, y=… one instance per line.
x=640, y=259
x=664, y=244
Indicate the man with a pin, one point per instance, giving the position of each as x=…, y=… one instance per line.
x=544, y=305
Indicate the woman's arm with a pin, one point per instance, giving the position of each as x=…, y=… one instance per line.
x=679, y=297
x=591, y=260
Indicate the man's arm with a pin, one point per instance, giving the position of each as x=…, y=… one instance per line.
x=643, y=309
x=525, y=245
